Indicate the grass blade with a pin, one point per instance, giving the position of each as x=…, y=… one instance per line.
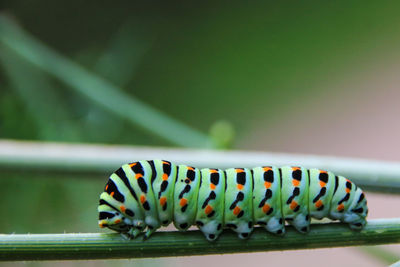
x=97, y=89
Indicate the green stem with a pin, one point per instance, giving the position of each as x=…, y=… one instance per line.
x=98, y=90
x=372, y=175
x=169, y=244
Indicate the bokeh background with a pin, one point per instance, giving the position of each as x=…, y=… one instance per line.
x=314, y=77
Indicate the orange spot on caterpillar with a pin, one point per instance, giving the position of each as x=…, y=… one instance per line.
x=102, y=225
x=142, y=199
x=213, y=171
x=117, y=221
x=163, y=200
x=165, y=176
x=190, y=168
x=295, y=168
x=348, y=189
x=212, y=186
x=236, y=210
x=187, y=180
x=138, y=175
x=166, y=162
x=183, y=202
x=208, y=209
x=267, y=169
x=340, y=207
x=132, y=164
x=239, y=170
x=321, y=171
x=319, y=203
x=322, y=184
x=293, y=205
x=240, y=186
x=112, y=193
x=266, y=208
x=267, y=184
x=122, y=208
x=106, y=187
x=295, y=182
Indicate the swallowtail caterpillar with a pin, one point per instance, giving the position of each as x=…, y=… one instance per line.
x=145, y=195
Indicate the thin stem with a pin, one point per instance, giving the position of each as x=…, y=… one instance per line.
x=98, y=90
x=373, y=175
x=169, y=244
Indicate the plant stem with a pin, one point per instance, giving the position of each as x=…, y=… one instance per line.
x=373, y=175
x=171, y=244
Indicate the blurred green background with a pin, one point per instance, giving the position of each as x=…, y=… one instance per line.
x=314, y=77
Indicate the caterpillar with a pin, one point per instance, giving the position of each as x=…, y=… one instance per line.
x=145, y=195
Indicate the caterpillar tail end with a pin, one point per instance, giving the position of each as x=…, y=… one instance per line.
x=358, y=225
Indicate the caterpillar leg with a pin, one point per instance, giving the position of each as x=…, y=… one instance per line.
x=211, y=229
x=149, y=232
x=276, y=226
x=358, y=225
x=244, y=229
x=301, y=222
x=132, y=233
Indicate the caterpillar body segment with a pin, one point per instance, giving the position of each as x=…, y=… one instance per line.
x=145, y=195
x=295, y=197
x=140, y=175
x=238, y=208
x=119, y=203
x=357, y=211
x=267, y=202
x=210, y=204
x=321, y=189
x=350, y=206
x=163, y=180
x=185, y=197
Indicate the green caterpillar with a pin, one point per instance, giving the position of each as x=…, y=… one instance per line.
x=157, y=192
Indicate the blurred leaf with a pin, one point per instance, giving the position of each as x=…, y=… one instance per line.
x=98, y=90
x=12, y=113
x=124, y=52
x=37, y=94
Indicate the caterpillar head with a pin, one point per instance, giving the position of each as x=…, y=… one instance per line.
x=113, y=219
